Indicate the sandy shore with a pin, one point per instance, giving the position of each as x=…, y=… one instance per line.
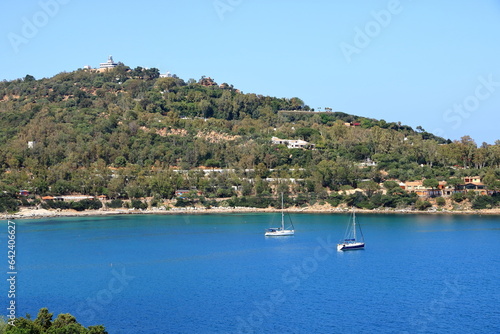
x=43, y=213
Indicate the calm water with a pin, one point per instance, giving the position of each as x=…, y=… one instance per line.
x=219, y=274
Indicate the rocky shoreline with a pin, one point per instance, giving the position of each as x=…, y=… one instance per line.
x=43, y=213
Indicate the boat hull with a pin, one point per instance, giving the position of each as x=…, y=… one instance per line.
x=279, y=233
x=350, y=246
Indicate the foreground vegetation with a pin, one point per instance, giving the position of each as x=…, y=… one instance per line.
x=63, y=324
x=131, y=135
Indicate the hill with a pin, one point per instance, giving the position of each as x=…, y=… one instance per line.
x=128, y=134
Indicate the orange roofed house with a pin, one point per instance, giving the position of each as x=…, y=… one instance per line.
x=473, y=183
x=419, y=188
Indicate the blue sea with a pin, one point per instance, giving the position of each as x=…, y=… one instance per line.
x=220, y=274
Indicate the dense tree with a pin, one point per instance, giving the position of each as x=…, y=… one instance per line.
x=430, y=183
x=370, y=187
x=64, y=323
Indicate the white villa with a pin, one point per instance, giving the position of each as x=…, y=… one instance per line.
x=292, y=143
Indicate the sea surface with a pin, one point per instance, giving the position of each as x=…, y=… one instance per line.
x=220, y=274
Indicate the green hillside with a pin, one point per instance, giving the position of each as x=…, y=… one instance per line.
x=128, y=134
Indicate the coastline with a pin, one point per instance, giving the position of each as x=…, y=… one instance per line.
x=43, y=213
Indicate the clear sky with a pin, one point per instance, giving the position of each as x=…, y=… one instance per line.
x=430, y=63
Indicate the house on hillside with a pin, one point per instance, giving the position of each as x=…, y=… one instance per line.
x=292, y=143
x=421, y=190
x=470, y=183
x=74, y=198
x=367, y=163
x=473, y=183
x=415, y=187
x=472, y=179
x=446, y=189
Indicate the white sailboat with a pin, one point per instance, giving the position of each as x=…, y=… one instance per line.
x=280, y=231
x=352, y=240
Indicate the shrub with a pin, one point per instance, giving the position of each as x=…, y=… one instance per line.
x=471, y=195
x=364, y=205
x=86, y=204
x=210, y=204
x=302, y=199
x=458, y=197
x=225, y=192
x=355, y=199
x=137, y=204
x=120, y=161
x=156, y=202
x=422, y=205
x=333, y=201
x=8, y=203
x=389, y=201
x=25, y=202
x=253, y=201
x=115, y=204
x=391, y=185
x=483, y=202
x=212, y=163
x=181, y=202
x=58, y=205
x=440, y=201
x=403, y=200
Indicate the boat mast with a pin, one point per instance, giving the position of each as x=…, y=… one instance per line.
x=282, y=214
x=354, y=223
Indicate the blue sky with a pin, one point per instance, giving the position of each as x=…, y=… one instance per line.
x=430, y=63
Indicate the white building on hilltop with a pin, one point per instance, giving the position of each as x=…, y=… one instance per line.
x=166, y=75
x=109, y=64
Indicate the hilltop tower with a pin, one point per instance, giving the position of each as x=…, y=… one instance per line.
x=109, y=64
